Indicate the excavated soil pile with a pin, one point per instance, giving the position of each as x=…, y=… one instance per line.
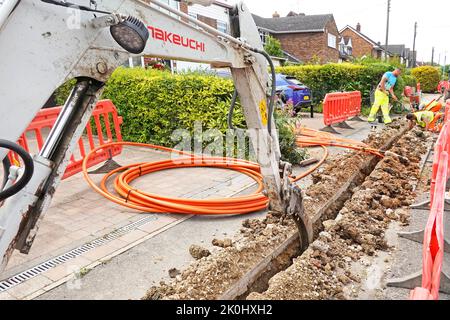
x=323, y=270
x=211, y=276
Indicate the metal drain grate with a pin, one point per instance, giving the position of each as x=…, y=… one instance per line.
x=72, y=254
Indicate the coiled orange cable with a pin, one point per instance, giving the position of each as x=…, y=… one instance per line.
x=148, y=202
x=142, y=201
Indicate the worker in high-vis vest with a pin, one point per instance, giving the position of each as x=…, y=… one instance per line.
x=385, y=87
x=425, y=119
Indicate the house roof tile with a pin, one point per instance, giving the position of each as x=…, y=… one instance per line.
x=298, y=23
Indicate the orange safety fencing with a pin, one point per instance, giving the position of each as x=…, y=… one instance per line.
x=104, y=120
x=355, y=103
x=433, y=245
x=340, y=106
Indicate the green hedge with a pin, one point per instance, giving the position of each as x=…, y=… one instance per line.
x=323, y=79
x=428, y=77
x=154, y=104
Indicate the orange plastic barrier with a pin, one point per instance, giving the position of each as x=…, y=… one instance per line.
x=447, y=112
x=104, y=120
x=433, y=245
x=340, y=106
x=355, y=103
x=335, y=108
x=443, y=86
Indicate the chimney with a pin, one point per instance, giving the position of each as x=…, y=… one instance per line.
x=276, y=15
x=358, y=27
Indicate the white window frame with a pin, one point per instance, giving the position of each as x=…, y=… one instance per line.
x=332, y=40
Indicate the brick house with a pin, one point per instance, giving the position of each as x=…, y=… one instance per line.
x=362, y=45
x=400, y=51
x=216, y=15
x=303, y=37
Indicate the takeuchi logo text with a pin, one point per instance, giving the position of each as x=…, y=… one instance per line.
x=176, y=39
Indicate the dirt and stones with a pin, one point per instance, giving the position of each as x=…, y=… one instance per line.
x=210, y=277
x=198, y=252
x=225, y=243
x=324, y=270
x=347, y=168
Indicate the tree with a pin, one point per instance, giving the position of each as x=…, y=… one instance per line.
x=273, y=47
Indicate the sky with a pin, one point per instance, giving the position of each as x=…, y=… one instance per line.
x=432, y=16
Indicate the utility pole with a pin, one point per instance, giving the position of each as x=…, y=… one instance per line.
x=414, y=46
x=432, y=56
x=387, y=29
x=445, y=64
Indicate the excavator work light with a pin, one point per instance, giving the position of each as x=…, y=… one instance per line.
x=131, y=34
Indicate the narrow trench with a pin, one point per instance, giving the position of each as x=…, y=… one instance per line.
x=285, y=258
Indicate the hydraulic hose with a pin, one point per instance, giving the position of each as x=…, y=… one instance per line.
x=6, y=167
x=231, y=111
x=273, y=90
x=271, y=98
x=27, y=174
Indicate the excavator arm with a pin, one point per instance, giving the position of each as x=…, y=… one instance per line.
x=44, y=43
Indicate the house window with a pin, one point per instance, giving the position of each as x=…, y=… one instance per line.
x=222, y=26
x=332, y=40
x=349, y=50
x=264, y=35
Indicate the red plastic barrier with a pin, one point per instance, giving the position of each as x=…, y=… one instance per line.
x=355, y=103
x=447, y=111
x=335, y=108
x=433, y=248
x=443, y=85
x=104, y=120
x=433, y=245
x=339, y=106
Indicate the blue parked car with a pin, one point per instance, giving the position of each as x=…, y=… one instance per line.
x=292, y=89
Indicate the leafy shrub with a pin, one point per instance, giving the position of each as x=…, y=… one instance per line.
x=286, y=125
x=428, y=77
x=273, y=47
x=409, y=80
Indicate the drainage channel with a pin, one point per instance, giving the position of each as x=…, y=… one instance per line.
x=257, y=279
x=72, y=254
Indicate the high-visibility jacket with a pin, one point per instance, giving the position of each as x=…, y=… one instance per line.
x=435, y=106
x=424, y=117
